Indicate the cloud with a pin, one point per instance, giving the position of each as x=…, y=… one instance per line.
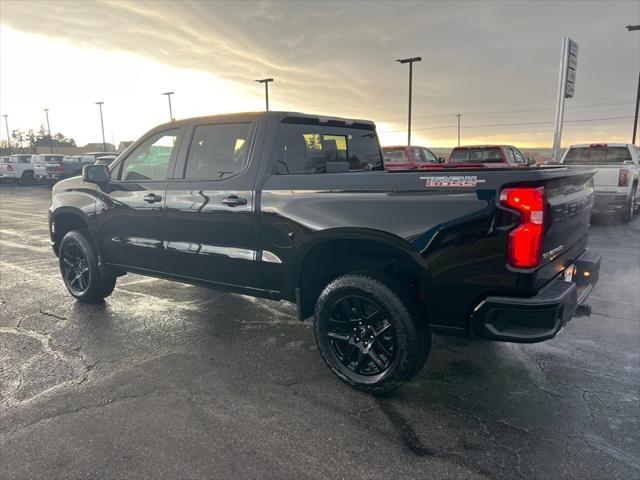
x=338, y=57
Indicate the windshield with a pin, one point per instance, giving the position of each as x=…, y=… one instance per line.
x=597, y=156
x=476, y=155
x=393, y=156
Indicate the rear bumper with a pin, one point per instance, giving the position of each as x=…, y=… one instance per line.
x=609, y=202
x=541, y=317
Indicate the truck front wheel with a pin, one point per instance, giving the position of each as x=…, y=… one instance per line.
x=368, y=331
x=79, y=269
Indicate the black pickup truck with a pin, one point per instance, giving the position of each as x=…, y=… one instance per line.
x=296, y=207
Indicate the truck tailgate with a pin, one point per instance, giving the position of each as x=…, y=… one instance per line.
x=606, y=178
x=566, y=223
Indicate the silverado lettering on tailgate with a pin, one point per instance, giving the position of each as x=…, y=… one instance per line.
x=452, y=181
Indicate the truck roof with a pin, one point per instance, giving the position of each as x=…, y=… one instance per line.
x=502, y=145
x=603, y=144
x=282, y=116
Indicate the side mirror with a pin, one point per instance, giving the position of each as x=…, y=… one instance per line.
x=96, y=173
x=531, y=161
x=440, y=160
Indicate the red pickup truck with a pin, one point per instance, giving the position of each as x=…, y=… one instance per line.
x=400, y=158
x=489, y=156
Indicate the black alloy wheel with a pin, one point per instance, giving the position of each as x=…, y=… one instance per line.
x=370, y=331
x=75, y=268
x=79, y=268
x=360, y=336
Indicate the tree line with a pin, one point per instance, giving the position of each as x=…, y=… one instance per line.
x=30, y=140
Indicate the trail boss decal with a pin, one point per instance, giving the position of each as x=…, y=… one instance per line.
x=453, y=181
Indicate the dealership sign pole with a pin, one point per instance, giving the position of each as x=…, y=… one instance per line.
x=566, y=89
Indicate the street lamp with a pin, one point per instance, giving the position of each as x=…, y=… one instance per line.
x=410, y=62
x=46, y=112
x=266, y=82
x=6, y=125
x=168, y=94
x=104, y=142
x=632, y=28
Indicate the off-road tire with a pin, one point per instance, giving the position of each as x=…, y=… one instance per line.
x=412, y=334
x=93, y=287
x=631, y=207
x=27, y=178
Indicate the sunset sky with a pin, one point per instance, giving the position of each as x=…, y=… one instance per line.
x=496, y=63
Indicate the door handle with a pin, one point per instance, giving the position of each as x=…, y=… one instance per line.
x=234, y=201
x=152, y=198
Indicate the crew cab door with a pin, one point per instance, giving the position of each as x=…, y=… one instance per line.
x=210, y=215
x=130, y=208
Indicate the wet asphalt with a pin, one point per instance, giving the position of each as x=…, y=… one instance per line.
x=165, y=380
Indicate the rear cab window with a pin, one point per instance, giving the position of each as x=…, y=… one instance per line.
x=476, y=155
x=597, y=155
x=395, y=155
x=311, y=148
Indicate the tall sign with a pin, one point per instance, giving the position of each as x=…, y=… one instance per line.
x=566, y=89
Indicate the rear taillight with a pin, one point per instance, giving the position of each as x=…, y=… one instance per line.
x=61, y=166
x=525, y=241
x=623, y=178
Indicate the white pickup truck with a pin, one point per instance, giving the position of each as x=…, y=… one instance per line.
x=616, y=180
x=17, y=168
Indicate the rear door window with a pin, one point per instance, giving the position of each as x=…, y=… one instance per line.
x=218, y=151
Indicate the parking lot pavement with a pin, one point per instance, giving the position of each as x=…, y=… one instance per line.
x=166, y=380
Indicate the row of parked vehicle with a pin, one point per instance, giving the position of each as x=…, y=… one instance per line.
x=398, y=158
x=26, y=168
x=615, y=183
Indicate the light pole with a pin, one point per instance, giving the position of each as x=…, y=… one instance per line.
x=458, y=115
x=168, y=94
x=6, y=125
x=46, y=112
x=410, y=62
x=104, y=142
x=266, y=82
x=632, y=28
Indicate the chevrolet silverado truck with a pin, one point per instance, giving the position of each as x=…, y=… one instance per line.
x=296, y=207
x=617, y=175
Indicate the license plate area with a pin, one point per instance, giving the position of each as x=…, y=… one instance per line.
x=569, y=272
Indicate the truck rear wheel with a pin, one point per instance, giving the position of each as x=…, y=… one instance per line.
x=79, y=269
x=368, y=332
x=631, y=207
x=26, y=178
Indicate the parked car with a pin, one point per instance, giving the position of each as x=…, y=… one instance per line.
x=18, y=168
x=400, y=158
x=105, y=160
x=293, y=207
x=97, y=155
x=67, y=166
x=40, y=164
x=489, y=156
x=616, y=179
